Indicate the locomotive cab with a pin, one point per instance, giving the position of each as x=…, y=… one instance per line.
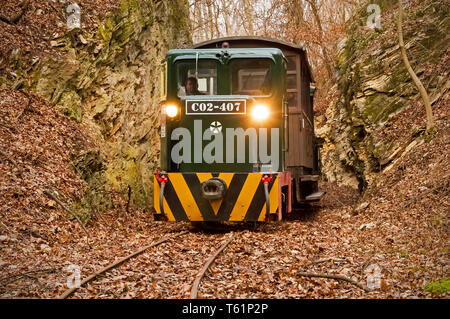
x=224, y=136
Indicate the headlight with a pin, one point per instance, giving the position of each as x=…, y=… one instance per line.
x=171, y=110
x=260, y=112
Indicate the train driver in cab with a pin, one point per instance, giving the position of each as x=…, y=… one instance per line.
x=192, y=86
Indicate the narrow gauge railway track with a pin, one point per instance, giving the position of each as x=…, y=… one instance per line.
x=118, y=262
x=209, y=262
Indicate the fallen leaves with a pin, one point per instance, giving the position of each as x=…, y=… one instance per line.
x=403, y=238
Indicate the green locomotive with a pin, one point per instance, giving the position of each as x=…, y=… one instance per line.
x=226, y=134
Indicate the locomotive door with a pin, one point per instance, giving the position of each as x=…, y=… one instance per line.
x=300, y=115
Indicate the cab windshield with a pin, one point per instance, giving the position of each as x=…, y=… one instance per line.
x=197, y=78
x=251, y=77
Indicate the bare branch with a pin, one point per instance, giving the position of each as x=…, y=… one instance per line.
x=336, y=277
x=56, y=199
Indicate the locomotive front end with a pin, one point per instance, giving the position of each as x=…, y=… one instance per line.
x=222, y=128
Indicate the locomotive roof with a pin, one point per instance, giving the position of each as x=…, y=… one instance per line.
x=252, y=41
x=247, y=39
x=234, y=52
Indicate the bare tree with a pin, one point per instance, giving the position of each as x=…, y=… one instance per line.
x=416, y=80
x=326, y=56
x=316, y=24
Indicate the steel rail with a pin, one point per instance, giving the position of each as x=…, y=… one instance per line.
x=69, y=291
x=201, y=274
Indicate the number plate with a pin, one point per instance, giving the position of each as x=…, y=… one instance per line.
x=215, y=107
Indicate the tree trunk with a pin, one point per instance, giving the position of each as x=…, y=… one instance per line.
x=326, y=58
x=416, y=80
x=248, y=17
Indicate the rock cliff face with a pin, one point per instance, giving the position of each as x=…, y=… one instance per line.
x=374, y=120
x=108, y=81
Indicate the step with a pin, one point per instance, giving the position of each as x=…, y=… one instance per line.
x=314, y=196
x=309, y=178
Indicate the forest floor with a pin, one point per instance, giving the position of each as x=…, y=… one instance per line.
x=397, y=232
x=259, y=263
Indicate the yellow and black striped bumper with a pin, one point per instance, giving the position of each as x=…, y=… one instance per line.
x=244, y=199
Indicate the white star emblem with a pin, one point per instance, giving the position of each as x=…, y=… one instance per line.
x=216, y=127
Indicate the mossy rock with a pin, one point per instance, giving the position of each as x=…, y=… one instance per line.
x=87, y=164
x=439, y=287
x=101, y=104
x=97, y=198
x=124, y=173
x=128, y=170
x=105, y=29
x=380, y=106
x=101, y=84
x=70, y=105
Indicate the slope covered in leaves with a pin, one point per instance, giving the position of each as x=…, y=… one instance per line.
x=36, y=146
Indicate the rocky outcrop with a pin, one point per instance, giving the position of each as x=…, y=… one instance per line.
x=363, y=130
x=109, y=82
